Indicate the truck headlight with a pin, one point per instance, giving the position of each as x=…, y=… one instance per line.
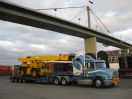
x=107, y=77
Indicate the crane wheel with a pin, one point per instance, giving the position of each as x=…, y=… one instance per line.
x=34, y=73
x=22, y=73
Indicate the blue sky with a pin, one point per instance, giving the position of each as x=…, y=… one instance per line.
x=18, y=40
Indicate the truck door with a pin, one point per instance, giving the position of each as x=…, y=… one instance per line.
x=89, y=68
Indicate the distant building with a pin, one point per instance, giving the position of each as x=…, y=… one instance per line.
x=117, y=58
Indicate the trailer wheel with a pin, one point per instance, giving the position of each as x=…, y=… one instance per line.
x=63, y=81
x=16, y=80
x=56, y=81
x=24, y=80
x=19, y=80
x=12, y=79
x=99, y=82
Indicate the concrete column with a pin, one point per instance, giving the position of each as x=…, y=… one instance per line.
x=90, y=46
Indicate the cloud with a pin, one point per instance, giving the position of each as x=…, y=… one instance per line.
x=18, y=40
x=125, y=35
x=37, y=46
x=118, y=22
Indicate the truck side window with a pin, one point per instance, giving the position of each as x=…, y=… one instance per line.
x=77, y=65
x=90, y=66
x=78, y=59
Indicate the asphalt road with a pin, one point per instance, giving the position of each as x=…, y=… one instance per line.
x=10, y=90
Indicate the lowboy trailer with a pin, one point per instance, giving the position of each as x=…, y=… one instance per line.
x=65, y=69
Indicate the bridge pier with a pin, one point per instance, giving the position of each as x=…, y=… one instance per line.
x=90, y=46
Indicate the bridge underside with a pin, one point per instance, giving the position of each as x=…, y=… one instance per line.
x=18, y=14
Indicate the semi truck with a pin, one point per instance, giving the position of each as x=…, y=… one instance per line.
x=65, y=69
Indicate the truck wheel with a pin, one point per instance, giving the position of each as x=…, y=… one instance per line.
x=99, y=82
x=56, y=81
x=63, y=81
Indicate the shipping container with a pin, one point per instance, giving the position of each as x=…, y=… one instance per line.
x=5, y=70
x=15, y=69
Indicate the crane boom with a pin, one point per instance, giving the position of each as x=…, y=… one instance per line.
x=38, y=61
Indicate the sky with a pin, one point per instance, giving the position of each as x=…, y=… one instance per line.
x=18, y=40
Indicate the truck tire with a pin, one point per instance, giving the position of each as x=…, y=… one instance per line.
x=64, y=81
x=56, y=81
x=99, y=82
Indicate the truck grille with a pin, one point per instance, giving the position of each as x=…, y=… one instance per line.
x=115, y=74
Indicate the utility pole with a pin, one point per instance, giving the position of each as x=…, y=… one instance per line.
x=88, y=15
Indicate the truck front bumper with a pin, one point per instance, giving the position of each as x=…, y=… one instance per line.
x=113, y=81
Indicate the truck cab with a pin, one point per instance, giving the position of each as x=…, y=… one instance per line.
x=94, y=71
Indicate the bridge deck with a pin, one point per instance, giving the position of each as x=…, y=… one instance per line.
x=19, y=14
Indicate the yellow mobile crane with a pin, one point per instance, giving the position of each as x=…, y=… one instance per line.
x=36, y=65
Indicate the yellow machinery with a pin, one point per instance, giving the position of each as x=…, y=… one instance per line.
x=35, y=65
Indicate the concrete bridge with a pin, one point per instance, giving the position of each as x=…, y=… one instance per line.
x=19, y=14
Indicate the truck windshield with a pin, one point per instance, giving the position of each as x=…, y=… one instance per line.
x=100, y=65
